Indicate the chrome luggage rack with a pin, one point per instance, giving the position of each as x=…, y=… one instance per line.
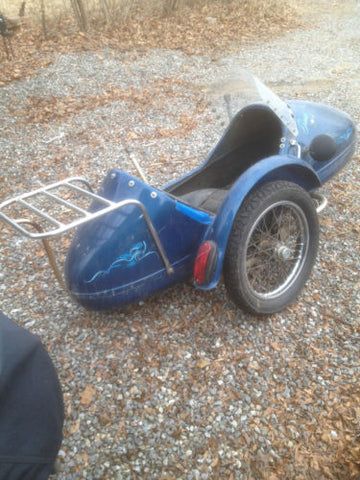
x=28, y=213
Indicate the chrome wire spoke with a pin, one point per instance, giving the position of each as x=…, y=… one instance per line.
x=275, y=249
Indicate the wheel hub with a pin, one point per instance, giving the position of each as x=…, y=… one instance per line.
x=284, y=253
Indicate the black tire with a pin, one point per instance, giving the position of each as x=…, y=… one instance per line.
x=272, y=248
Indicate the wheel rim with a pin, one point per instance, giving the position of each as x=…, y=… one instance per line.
x=276, y=249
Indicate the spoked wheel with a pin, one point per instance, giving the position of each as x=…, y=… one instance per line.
x=272, y=247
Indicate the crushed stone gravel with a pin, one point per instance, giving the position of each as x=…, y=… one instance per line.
x=184, y=385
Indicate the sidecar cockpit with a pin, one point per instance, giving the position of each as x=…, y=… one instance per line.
x=258, y=122
x=253, y=134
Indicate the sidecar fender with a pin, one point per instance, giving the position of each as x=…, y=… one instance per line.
x=270, y=169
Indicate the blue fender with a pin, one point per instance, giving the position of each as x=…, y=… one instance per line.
x=268, y=170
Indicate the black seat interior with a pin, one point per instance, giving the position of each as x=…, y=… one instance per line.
x=253, y=134
x=209, y=199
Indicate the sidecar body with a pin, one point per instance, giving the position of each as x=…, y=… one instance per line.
x=114, y=260
x=240, y=200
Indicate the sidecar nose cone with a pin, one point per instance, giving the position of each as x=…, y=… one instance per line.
x=205, y=263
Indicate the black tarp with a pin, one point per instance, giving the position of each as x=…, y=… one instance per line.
x=31, y=406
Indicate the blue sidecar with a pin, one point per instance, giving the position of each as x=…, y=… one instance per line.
x=249, y=211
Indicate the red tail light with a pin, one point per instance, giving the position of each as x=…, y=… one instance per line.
x=205, y=263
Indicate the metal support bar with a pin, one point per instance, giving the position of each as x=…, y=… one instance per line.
x=65, y=203
x=48, y=250
x=320, y=200
x=137, y=166
x=169, y=268
x=41, y=213
x=296, y=145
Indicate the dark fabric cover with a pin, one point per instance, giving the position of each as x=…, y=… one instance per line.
x=31, y=406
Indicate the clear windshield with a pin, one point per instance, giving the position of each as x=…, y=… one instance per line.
x=242, y=89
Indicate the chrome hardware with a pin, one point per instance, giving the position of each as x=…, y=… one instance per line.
x=320, y=201
x=294, y=143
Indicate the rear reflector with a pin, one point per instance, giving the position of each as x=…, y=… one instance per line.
x=205, y=263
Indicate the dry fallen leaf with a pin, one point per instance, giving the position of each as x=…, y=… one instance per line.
x=74, y=428
x=86, y=397
x=202, y=363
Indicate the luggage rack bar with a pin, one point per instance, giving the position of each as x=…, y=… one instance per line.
x=33, y=229
x=60, y=227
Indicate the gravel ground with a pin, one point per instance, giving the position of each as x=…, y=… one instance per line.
x=184, y=385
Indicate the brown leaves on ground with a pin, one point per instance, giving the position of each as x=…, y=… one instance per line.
x=41, y=110
x=332, y=448
x=310, y=442
x=194, y=31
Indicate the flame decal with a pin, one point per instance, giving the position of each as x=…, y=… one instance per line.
x=137, y=253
